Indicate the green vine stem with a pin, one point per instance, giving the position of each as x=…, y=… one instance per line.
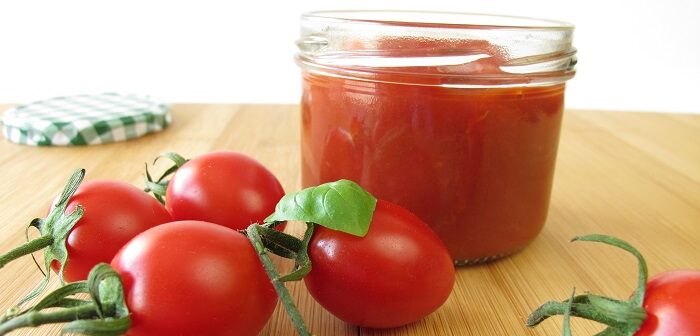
x=59, y=298
x=582, y=310
x=566, y=329
x=253, y=233
x=622, y=317
x=104, y=314
x=637, y=298
x=29, y=247
x=159, y=186
x=302, y=262
x=37, y=318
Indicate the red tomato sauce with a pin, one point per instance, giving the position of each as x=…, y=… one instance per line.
x=475, y=163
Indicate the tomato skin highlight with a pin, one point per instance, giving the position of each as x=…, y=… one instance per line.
x=225, y=188
x=397, y=274
x=672, y=303
x=114, y=213
x=194, y=278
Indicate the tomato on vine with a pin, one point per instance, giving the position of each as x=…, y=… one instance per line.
x=666, y=305
x=115, y=212
x=223, y=187
x=194, y=278
x=396, y=274
x=184, y=278
x=672, y=304
x=87, y=224
x=369, y=262
x=198, y=278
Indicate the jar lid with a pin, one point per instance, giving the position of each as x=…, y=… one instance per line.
x=84, y=120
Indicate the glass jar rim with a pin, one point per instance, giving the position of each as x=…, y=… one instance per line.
x=437, y=48
x=437, y=19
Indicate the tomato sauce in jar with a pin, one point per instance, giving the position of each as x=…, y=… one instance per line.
x=461, y=130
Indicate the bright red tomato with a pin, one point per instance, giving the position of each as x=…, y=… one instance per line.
x=114, y=213
x=397, y=274
x=225, y=188
x=194, y=278
x=672, y=303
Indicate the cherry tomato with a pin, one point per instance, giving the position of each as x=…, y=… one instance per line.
x=114, y=213
x=194, y=278
x=397, y=274
x=225, y=188
x=672, y=303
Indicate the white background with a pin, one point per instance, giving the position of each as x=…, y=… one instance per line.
x=633, y=55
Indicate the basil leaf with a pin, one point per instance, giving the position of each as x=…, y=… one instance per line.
x=342, y=205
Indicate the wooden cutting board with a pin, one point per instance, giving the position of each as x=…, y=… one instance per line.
x=632, y=175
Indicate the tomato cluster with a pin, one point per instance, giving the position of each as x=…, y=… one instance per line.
x=199, y=264
x=188, y=267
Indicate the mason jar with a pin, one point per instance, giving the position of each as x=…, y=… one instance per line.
x=453, y=116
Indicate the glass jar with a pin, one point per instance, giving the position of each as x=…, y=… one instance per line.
x=454, y=116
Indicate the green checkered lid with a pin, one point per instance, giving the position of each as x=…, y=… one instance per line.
x=84, y=120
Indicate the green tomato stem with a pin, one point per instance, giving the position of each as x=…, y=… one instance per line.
x=622, y=317
x=29, y=247
x=37, y=318
x=302, y=262
x=105, y=314
x=159, y=186
x=566, y=329
x=581, y=310
x=282, y=292
x=637, y=298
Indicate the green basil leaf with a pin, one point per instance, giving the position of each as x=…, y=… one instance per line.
x=342, y=205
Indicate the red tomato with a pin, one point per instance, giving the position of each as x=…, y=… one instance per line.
x=115, y=212
x=225, y=188
x=194, y=278
x=672, y=303
x=397, y=274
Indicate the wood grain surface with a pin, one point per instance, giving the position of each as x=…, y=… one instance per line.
x=633, y=175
